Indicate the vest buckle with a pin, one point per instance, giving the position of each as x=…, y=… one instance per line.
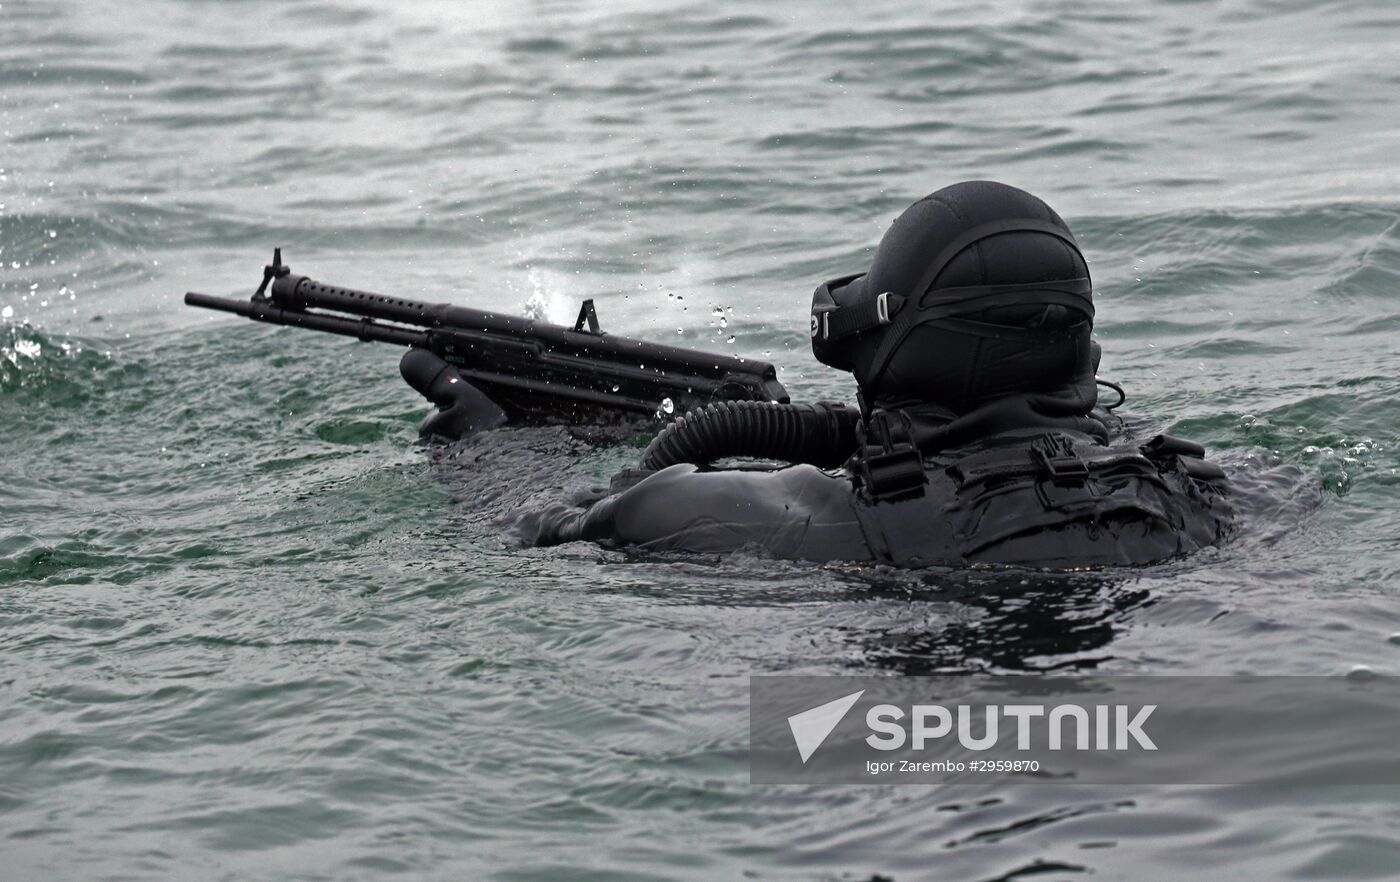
x=891, y=466
x=1059, y=462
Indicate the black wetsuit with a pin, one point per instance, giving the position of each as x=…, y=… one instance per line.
x=1057, y=499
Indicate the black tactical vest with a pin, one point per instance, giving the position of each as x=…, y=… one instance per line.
x=1053, y=499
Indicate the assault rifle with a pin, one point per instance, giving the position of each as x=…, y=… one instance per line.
x=533, y=370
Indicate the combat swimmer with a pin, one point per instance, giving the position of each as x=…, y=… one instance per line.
x=977, y=437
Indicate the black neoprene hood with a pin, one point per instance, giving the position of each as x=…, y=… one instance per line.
x=977, y=292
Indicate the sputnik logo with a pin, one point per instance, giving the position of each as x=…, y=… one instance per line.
x=810, y=728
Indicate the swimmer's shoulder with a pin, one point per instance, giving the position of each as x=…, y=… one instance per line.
x=684, y=506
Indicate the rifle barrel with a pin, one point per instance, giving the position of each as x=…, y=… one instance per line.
x=266, y=311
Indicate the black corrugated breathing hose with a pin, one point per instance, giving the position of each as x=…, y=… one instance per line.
x=822, y=434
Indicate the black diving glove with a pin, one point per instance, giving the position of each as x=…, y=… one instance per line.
x=462, y=409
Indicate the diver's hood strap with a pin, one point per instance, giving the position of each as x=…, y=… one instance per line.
x=946, y=303
x=843, y=321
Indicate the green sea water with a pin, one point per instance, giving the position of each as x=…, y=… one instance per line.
x=249, y=629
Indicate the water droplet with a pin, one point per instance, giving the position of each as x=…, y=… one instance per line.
x=731, y=339
x=616, y=387
x=7, y=312
x=1361, y=673
x=667, y=407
